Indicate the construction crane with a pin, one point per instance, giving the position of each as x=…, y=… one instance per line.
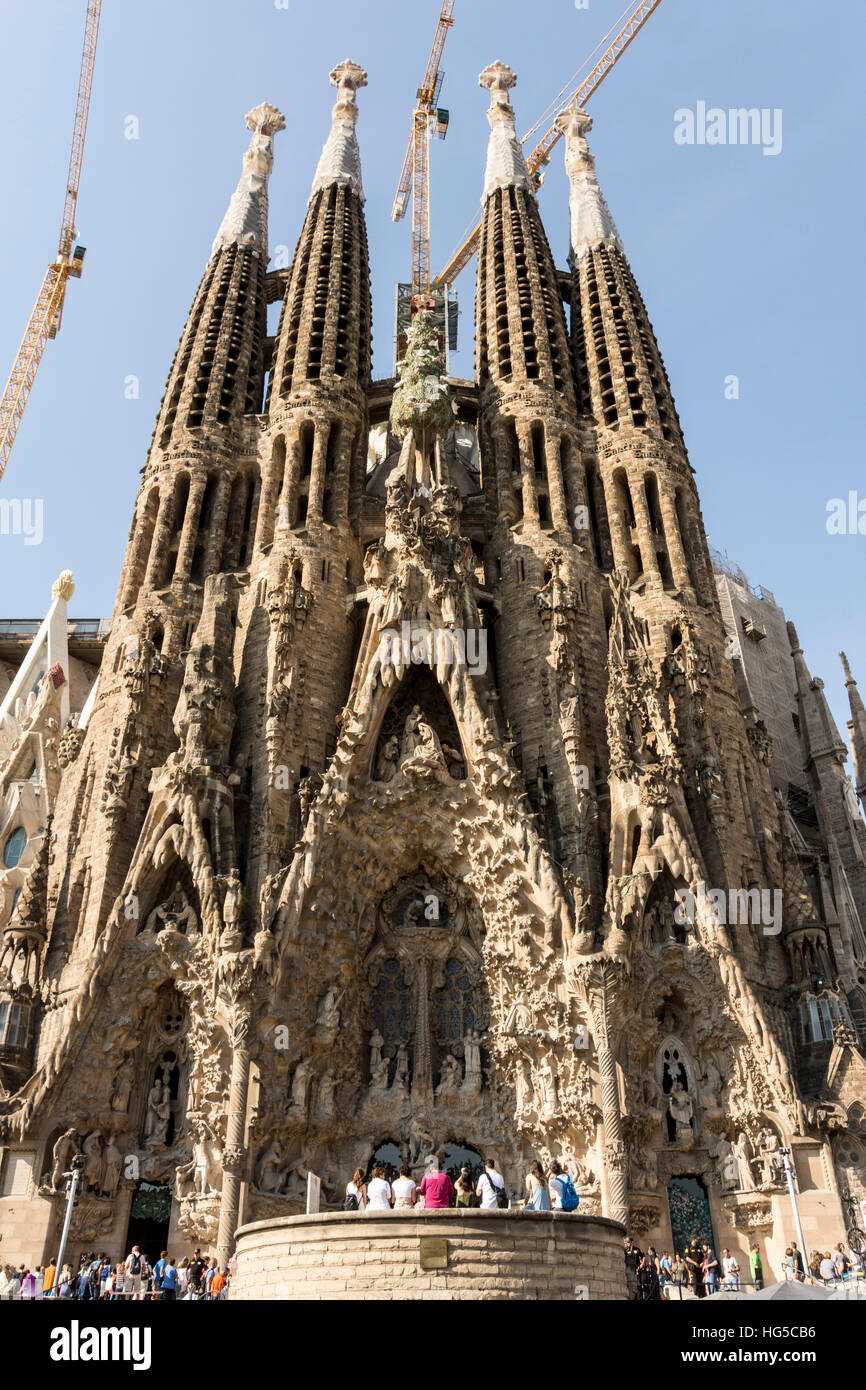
x=47, y=312
x=415, y=175
x=541, y=153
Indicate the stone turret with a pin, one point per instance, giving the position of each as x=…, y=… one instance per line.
x=856, y=730
x=317, y=396
x=652, y=509
x=195, y=517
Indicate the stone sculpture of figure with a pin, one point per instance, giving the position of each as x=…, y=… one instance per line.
x=743, y=1155
x=522, y=1086
x=401, y=1070
x=113, y=1163
x=472, y=1055
x=726, y=1162
x=122, y=1087
x=450, y=1076
x=546, y=1079
x=379, y=1075
x=711, y=1082
x=681, y=1111
x=766, y=1146
x=328, y=1015
x=325, y=1104
x=386, y=764
x=157, y=1116
x=300, y=1084
x=63, y=1149
x=93, y=1161
x=414, y=732
x=175, y=913
x=377, y=1042
x=208, y=1177
x=268, y=1169
x=233, y=903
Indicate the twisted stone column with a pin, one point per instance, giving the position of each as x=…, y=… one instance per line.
x=234, y=1149
x=601, y=982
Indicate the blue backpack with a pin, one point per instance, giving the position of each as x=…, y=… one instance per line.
x=570, y=1198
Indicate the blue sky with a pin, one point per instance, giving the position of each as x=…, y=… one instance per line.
x=749, y=264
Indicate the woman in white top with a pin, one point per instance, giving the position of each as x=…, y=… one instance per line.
x=404, y=1189
x=379, y=1192
x=357, y=1189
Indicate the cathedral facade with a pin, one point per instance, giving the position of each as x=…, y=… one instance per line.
x=416, y=807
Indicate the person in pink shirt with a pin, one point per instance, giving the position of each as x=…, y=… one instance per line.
x=436, y=1188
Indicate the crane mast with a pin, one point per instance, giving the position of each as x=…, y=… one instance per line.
x=541, y=153
x=45, y=319
x=415, y=174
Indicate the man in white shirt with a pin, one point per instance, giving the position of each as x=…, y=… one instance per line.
x=488, y=1184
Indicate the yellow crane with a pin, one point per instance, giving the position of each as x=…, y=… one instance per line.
x=45, y=319
x=541, y=153
x=415, y=175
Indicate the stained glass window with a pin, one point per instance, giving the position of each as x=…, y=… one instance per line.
x=391, y=1003
x=454, y=1006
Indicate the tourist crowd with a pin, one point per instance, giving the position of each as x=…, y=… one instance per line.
x=97, y=1278
x=544, y=1191
x=697, y=1268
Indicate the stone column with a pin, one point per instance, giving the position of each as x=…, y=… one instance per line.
x=234, y=1149
x=343, y=473
x=616, y=1163
x=288, y=502
x=556, y=491
x=502, y=465
x=619, y=531
x=317, y=469
x=527, y=471
x=266, y=521
x=422, y=1062
x=213, y=553
x=646, y=539
x=676, y=554
x=161, y=530
x=190, y=527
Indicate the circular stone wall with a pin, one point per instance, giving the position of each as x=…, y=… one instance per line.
x=450, y=1254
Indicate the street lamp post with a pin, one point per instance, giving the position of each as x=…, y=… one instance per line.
x=74, y=1178
x=785, y=1155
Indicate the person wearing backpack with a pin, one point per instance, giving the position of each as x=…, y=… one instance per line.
x=133, y=1267
x=563, y=1196
x=490, y=1189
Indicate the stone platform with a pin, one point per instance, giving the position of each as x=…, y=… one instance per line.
x=447, y=1254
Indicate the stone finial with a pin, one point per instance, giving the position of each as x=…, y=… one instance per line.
x=348, y=76
x=498, y=79
x=246, y=219
x=265, y=119
x=506, y=167
x=340, y=161
x=63, y=586
x=849, y=679
x=591, y=221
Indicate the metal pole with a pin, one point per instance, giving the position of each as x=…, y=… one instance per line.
x=789, y=1176
x=74, y=1176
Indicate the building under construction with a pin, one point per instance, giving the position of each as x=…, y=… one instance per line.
x=415, y=810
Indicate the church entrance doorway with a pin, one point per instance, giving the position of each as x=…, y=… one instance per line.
x=690, y=1212
x=149, y=1219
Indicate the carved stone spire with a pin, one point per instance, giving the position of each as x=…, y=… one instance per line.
x=591, y=220
x=246, y=219
x=856, y=729
x=340, y=161
x=506, y=167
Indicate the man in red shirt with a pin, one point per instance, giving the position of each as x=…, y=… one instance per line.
x=436, y=1188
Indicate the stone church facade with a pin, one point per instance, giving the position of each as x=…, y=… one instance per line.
x=416, y=803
